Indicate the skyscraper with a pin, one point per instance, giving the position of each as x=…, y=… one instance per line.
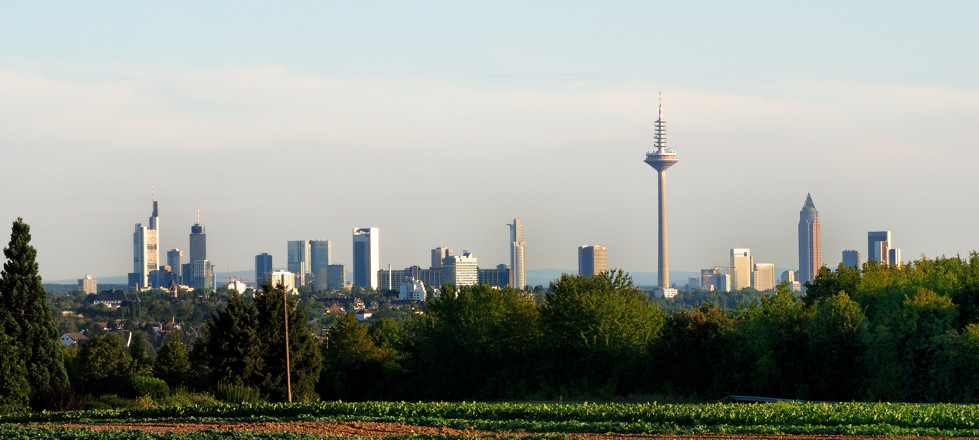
x=460, y=270
x=592, y=260
x=320, y=255
x=297, y=259
x=336, y=276
x=146, y=252
x=202, y=274
x=707, y=278
x=789, y=277
x=878, y=245
x=810, y=242
x=662, y=159
x=763, y=277
x=851, y=259
x=518, y=272
x=367, y=257
x=174, y=257
x=263, y=267
x=199, y=271
x=894, y=257
x=439, y=254
x=741, y=263
x=198, y=241
x=722, y=282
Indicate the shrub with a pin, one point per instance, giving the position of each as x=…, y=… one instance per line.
x=181, y=397
x=150, y=386
x=237, y=393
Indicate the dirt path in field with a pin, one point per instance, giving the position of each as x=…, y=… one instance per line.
x=378, y=430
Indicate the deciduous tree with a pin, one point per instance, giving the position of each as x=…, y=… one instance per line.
x=172, y=363
x=597, y=331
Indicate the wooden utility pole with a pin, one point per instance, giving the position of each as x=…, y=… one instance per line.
x=285, y=312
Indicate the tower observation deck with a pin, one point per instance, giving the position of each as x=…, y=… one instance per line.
x=662, y=159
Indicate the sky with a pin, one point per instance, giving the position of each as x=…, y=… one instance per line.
x=440, y=121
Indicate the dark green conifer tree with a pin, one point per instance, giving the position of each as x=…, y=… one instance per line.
x=14, y=389
x=304, y=351
x=234, y=348
x=25, y=317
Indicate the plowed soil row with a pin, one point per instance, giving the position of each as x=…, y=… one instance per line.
x=379, y=430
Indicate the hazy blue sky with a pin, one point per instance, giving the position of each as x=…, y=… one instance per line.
x=439, y=122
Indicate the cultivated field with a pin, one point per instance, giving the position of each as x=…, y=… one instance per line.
x=527, y=420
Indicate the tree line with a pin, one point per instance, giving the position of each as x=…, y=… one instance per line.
x=879, y=333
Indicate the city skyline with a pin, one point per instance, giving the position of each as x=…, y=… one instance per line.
x=538, y=115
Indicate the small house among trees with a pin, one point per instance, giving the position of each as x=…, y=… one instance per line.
x=70, y=339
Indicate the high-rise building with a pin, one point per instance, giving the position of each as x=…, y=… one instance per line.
x=431, y=276
x=336, y=276
x=390, y=279
x=707, y=278
x=894, y=257
x=662, y=159
x=174, y=257
x=285, y=279
x=499, y=277
x=146, y=252
x=789, y=277
x=518, y=271
x=810, y=242
x=722, y=282
x=878, y=246
x=763, y=277
x=439, y=254
x=741, y=263
x=88, y=285
x=198, y=240
x=201, y=272
x=367, y=257
x=851, y=259
x=320, y=255
x=263, y=268
x=460, y=270
x=592, y=260
x=297, y=259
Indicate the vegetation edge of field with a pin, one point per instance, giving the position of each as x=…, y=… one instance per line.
x=945, y=420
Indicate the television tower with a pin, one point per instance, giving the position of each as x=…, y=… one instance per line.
x=662, y=159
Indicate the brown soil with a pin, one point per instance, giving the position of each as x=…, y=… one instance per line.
x=378, y=430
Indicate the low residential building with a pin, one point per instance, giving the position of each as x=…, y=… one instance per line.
x=70, y=339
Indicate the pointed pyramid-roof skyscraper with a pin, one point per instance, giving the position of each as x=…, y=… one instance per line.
x=810, y=242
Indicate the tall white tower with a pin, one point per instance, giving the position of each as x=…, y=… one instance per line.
x=662, y=159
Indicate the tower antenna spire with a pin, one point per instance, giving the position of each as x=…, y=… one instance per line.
x=153, y=192
x=198, y=214
x=660, y=104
